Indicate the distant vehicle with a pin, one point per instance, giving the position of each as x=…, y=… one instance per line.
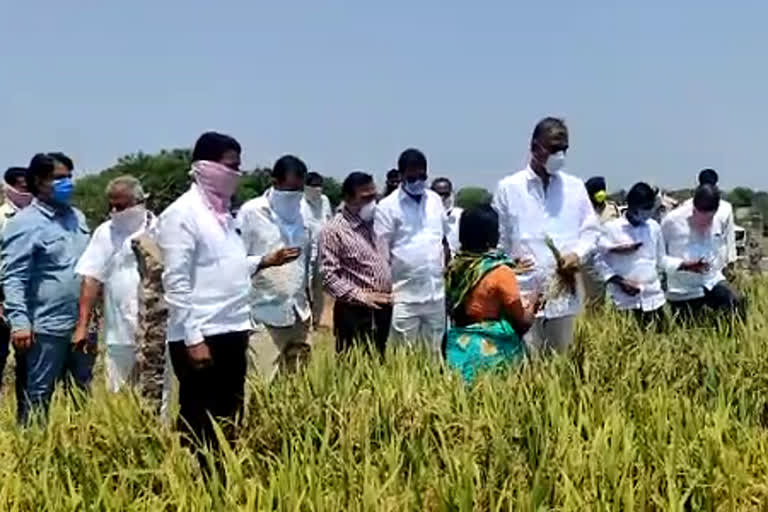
x=741, y=242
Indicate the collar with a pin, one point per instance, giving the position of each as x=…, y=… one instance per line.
x=531, y=175
x=46, y=209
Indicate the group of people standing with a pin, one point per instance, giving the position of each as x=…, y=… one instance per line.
x=406, y=269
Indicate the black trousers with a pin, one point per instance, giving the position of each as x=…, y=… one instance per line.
x=722, y=299
x=654, y=320
x=217, y=389
x=361, y=326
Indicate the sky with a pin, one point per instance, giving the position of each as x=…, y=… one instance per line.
x=652, y=90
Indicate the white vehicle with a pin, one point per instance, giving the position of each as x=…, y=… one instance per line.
x=741, y=243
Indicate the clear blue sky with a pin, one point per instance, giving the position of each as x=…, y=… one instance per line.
x=655, y=90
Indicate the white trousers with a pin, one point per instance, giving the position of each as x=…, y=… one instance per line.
x=419, y=325
x=550, y=335
x=121, y=372
x=121, y=367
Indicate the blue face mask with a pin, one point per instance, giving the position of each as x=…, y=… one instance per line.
x=415, y=188
x=62, y=191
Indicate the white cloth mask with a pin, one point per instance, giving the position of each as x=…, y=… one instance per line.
x=129, y=220
x=286, y=204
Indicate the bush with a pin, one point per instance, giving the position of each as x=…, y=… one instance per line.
x=470, y=197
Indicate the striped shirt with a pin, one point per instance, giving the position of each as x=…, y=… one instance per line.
x=352, y=260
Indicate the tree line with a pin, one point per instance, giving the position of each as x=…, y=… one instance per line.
x=165, y=176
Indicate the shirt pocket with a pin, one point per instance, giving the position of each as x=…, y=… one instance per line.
x=56, y=249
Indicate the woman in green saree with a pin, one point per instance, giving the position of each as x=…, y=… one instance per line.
x=487, y=312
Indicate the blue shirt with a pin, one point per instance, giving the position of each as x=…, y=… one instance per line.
x=41, y=246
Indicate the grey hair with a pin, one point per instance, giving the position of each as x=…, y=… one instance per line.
x=132, y=183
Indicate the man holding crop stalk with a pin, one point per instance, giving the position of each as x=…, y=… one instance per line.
x=548, y=225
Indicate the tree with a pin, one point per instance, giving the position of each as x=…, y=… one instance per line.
x=165, y=177
x=741, y=196
x=470, y=197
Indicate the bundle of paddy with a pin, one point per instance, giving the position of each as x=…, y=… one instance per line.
x=564, y=282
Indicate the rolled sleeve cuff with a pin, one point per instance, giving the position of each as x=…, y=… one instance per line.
x=193, y=337
x=253, y=264
x=19, y=323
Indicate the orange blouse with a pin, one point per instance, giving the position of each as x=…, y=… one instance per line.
x=496, y=293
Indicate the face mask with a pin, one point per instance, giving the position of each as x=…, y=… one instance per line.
x=18, y=199
x=367, y=212
x=286, y=204
x=313, y=194
x=600, y=196
x=62, y=191
x=448, y=202
x=638, y=217
x=415, y=188
x=555, y=162
x=129, y=220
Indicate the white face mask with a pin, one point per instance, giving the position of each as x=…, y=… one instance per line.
x=313, y=194
x=415, y=188
x=286, y=204
x=129, y=220
x=367, y=211
x=555, y=162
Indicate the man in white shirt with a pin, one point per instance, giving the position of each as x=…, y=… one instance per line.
x=631, y=256
x=206, y=281
x=275, y=235
x=692, y=232
x=16, y=197
x=316, y=211
x=444, y=188
x=410, y=223
x=109, y=265
x=538, y=203
x=724, y=217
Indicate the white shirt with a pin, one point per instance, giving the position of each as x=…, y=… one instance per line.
x=207, y=272
x=316, y=215
x=453, y=215
x=109, y=259
x=724, y=216
x=528, y=214
x=413, y=232
x=278, y=294
x=689, y=245
x=641, y=266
